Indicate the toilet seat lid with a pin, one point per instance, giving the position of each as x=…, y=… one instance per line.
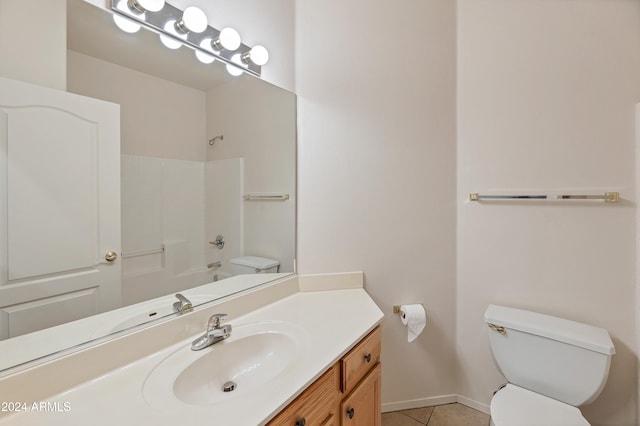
x=516, y=406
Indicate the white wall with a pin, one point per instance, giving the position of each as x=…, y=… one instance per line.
x=33, y=41
x=376, y=175
x=546, y=94
x=158, y=118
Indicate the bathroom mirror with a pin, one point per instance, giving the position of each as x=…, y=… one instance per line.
x=207, y=178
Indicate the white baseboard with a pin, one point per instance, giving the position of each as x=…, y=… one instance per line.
x=434, y=400
x=474, y=404
x=419, y=403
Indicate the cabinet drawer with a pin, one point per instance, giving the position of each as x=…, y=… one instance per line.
x=315, y=406
x=357, y=363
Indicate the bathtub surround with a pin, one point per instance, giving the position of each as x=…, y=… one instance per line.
x=169, y=205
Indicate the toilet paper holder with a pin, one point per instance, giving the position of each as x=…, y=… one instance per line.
x=396, y=309
x=414, y=316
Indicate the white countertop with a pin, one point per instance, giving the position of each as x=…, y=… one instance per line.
x=334, y=321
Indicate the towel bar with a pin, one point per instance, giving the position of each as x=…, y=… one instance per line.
x=608, y=197
x=257, y=197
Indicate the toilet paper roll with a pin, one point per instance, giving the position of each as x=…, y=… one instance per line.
x=415, y=318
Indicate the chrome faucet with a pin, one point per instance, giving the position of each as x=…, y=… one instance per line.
x=215, y=333
x=182, y=305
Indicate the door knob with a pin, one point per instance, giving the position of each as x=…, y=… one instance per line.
x=110, y=256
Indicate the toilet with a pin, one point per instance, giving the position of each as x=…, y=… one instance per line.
x=253, y=265
x=553, y=365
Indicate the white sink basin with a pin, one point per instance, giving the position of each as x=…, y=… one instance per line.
x=257, y=354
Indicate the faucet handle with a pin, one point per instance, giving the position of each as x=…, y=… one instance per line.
x=182, y=305
x=215, y=319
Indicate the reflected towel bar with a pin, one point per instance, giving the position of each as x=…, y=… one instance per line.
x=608, y=197
x=142, y=252
x=257, y=197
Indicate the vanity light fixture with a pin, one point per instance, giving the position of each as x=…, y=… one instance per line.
x=235, y=70
x=193, y=20
x=141, y=6
x=190, y=28
x=172, y=42
x=135, y=7
x=205, y=58
x=257, y=54
x=126, y=25
x=228, y=39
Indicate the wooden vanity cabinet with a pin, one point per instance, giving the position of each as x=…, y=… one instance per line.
x=348, y=394
x=361, y=383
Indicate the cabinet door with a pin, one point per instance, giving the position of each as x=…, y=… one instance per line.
x=362, y=406
x=59, y=207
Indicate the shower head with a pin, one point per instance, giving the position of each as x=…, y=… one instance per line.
x=216, y=138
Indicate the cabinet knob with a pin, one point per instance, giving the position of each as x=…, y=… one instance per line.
x=301, y=422
x=368, y=357
x=351, y=412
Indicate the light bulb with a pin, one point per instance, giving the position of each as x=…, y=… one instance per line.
x=168, y=41
x=228, y=39
x=202, y=56
x=258, y=55
x=125, y=24
x=235, y=70
x=193, y=20
x=141, y=6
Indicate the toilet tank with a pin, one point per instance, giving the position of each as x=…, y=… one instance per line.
x=556, y=357
x=253, y=265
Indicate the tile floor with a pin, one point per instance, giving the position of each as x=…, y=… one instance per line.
x=441, y=415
